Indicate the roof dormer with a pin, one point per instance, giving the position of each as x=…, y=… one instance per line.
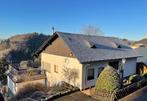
x=90, y=44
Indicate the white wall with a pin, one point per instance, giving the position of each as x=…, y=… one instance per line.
x=130, y=67
x=96, y=66
x=81, y=82
x=11, y=84
x=15, y=87
x=18, y=86
x=61, y=61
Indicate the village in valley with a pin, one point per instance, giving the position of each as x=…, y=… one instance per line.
x=67, y=65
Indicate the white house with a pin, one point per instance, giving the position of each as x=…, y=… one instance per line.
x=87, y=54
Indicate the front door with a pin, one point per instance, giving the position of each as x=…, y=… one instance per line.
x=114, y=64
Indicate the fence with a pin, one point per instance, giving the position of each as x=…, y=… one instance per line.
x=24, y=75
x=129, y=89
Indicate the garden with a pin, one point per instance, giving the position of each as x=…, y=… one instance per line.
x=39, y=92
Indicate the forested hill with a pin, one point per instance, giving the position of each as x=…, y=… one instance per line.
x=143, y=41
x=21, y=47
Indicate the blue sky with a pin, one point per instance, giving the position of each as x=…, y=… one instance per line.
x=119, y=18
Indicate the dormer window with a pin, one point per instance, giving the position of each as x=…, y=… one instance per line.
x=70, y=39
x=123, y=46
x=119, y=46
x=93, y=46
x=90, y=44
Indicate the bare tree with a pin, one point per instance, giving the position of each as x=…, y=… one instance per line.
x=92, y=30
x=74, y=75
x=70, y=74
x=66, y=73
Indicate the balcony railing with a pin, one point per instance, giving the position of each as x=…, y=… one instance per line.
x=26, y=74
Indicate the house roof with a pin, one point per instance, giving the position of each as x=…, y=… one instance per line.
x=88, y=48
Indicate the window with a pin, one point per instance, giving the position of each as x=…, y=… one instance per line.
x=119, y=46
x=90, y=44
x=47, y=66
x=90, y=75
x=55, y=68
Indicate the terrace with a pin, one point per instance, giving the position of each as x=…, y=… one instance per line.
x=22, y=75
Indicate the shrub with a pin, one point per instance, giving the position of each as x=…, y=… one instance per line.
x=61, y=86
x=38, y=95
x=144, y=75
x=28, y=90
x=134, y=78
x=3, y=77
x=108, y=81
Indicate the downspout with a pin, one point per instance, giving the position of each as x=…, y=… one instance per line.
x=85, y=75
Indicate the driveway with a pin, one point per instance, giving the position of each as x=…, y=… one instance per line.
x=77, y=96
x=139, y=95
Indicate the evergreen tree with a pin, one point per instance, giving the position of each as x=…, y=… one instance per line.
x=108, y=81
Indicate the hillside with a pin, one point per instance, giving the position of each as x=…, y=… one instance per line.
x=143, y=41
x=128, y=42
x=140, y=43
x=21, y=47
x=1, y=39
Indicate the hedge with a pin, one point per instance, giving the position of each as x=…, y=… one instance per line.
x=129, y=89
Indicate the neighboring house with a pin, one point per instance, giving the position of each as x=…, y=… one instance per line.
x=18, y=77
x=142, y=61
x=87, y=54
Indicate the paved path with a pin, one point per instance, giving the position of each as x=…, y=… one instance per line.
x=139, y=95
x=77, y=96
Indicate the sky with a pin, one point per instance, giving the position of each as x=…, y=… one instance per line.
x=118, y=18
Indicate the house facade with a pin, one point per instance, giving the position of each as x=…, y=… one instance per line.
x=87, y=55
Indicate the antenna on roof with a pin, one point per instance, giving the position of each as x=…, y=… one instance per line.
x=53, y=29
